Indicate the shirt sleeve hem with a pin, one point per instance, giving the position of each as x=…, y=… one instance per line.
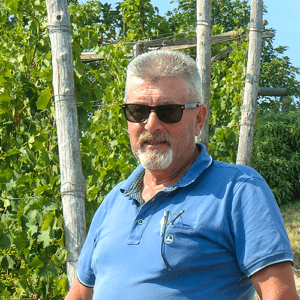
x=278, y=258
x=284, y=260
x=83, y=283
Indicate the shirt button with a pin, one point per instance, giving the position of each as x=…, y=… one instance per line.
x=140, y=222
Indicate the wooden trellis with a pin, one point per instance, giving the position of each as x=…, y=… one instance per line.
x=178, y=44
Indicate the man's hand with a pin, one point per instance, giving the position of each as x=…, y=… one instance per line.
x=275, y=282
x=79, y=292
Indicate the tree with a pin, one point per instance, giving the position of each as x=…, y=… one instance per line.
x=140, y=20
x=277, y=71
x=276, y=153
x=225, y=13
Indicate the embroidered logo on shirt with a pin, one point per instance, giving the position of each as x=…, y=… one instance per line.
x=169, y=238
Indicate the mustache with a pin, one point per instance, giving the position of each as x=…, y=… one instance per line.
x=153, y=138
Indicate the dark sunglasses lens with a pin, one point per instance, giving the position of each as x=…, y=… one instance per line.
x=136, y=113
x=169, y=113
x=166, y=113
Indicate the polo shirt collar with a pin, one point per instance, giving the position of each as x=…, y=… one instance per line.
x=202, y=162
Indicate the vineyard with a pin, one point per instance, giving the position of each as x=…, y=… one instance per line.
x=32, y=240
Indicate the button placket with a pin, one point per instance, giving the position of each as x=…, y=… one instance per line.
x=142, y=220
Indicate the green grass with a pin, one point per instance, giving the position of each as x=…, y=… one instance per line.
x=291, y=217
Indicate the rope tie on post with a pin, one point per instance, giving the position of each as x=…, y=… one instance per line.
x=75, y=193
x=203, y=23
x=58, y=28
x=61, y=98
x=256, y=28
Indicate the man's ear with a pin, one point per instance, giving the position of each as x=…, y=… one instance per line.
x=200, y=118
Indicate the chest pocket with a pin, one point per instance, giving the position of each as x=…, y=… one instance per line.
x=179, y=246
x=185, y=248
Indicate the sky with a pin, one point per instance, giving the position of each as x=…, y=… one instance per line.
x=283, y=16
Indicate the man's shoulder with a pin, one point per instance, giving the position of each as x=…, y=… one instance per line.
x=211, y=170
x=238, y=170
x=223, y=175
x=235, y=175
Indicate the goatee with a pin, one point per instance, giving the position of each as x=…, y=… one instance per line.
x=154, y=159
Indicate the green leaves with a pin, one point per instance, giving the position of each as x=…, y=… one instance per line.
x=277, y=71
x=141, y=20
x=21, y=242
x=6, y=175
x=31, y=242
x=276, y=153
x=44, y=98
x=226, y=98
x=12, y=5
x=45, y=237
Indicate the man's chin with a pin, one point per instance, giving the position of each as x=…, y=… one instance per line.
x=157, y=161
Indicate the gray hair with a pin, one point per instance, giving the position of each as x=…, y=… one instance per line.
x=154, y=65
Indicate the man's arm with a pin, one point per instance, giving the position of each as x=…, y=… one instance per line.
x=275, y=282
x=79, y=292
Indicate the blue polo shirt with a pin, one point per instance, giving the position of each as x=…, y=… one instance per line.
x=199, y=239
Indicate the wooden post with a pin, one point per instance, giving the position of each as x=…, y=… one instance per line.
x=264, y=91
x=249, y=106
x=72, y=180
x=204, y=38
x=136, y=49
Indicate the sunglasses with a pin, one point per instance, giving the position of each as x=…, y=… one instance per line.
x=168, y=113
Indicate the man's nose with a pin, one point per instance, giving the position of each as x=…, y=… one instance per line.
x=153, y=124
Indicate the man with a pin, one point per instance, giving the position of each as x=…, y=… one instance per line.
x=182, y=226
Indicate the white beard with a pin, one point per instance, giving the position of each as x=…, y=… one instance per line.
x=155, y=160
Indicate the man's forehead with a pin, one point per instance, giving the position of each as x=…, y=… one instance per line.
x=166, y=90
x=154, y=80
x=163, y=85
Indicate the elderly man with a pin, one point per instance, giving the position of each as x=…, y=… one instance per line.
x=182, y=226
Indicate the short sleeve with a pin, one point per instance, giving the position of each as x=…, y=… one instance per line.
x=259, y=234
x=85, y=273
